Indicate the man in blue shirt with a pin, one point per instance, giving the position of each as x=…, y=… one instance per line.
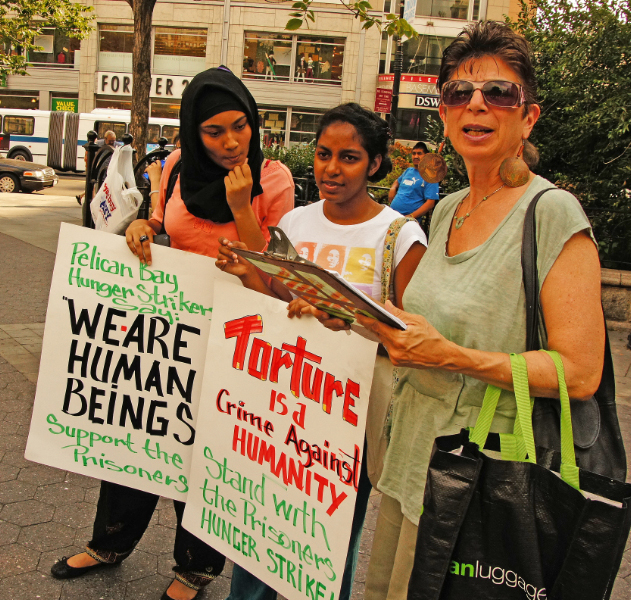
x=411, y=195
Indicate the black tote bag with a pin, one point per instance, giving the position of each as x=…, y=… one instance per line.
x=597, y=439
x=510, y=530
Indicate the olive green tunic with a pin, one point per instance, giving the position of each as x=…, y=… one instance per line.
x=475, y=299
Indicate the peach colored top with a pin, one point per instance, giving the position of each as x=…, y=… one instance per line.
x=201, y=236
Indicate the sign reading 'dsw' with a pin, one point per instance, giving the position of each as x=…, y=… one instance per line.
x=280, y=439
x=122, y=362
x=427, y=100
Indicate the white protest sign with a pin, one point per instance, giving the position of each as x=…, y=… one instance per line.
x=122, y=362
x=280, y=439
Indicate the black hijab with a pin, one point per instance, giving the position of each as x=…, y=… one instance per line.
x=201, y=180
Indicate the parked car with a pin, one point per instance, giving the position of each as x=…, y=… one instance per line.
x=16, y=175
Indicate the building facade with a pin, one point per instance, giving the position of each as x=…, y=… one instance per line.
x=294, y=76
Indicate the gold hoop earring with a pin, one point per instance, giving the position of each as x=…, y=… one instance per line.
x=432, y=167
x=514, y=172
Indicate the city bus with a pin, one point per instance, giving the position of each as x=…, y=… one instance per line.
x=56, y=138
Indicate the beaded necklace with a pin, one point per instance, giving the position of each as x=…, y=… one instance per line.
x=460, y=220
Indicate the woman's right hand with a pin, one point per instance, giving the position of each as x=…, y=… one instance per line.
x=138, y=229
x=230, y=262
x=298, y=307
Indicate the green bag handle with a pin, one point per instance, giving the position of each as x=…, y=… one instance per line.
x=569, y=470
x=521, y=444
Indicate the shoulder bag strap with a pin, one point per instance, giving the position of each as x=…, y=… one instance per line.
x=531, y=275
x=533, y=307
x=387, y=268
x=173, y=175
x=387, y=265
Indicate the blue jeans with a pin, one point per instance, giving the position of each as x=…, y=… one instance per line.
x=246, y=586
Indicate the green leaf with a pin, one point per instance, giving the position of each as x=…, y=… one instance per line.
x=293, y=24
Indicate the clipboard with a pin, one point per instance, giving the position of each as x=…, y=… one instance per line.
x=326, y=290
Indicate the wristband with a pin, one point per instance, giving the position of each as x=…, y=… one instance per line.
x=154, y=192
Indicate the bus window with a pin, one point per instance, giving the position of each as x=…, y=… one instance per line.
x=169, y=132
x=153, y=133
x=118, y=128
x=20, y=125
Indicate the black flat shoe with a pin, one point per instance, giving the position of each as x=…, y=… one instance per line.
x=166, y=596
x=62, y=570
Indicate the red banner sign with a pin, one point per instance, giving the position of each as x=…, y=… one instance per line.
x=383, y=100
x=410, y=78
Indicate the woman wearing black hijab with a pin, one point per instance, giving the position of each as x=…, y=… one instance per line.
x=224, y=188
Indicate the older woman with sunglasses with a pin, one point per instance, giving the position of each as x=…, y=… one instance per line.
x=465, y=305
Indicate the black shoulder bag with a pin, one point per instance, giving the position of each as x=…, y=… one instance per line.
x=163, y=238
x=597, y=440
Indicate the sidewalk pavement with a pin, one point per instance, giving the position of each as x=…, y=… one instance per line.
x=46, y=513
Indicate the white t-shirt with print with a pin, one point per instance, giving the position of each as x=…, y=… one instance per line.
x=353, y=251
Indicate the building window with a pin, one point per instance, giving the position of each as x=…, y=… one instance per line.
x=476, y=10
x=303, y=126
x=423, y=55
x=384, y=55
x=19, y=125
x=319, y=59
x=116, y=43
x=273, y=123
x=288, y=126
x=58, y=50
x=297, y=59
x=21, y=99
x=267, y=56
x=412, y=124
x=445, y=9
x=165, y=109
x=179, y=51
x=113, y=102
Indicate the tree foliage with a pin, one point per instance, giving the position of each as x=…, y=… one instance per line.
x=392, y=24
x=21, y=21
x=582, y=57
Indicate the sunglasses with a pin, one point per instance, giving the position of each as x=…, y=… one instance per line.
x=505, y=94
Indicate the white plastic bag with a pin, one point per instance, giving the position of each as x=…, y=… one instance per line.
x=116, y=204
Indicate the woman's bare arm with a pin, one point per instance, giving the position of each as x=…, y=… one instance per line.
x=570, y=299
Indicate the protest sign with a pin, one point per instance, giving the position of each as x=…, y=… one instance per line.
x=279, y=445
x=122, y=362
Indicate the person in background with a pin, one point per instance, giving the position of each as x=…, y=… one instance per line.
x=109, y=140
x=410, y=194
